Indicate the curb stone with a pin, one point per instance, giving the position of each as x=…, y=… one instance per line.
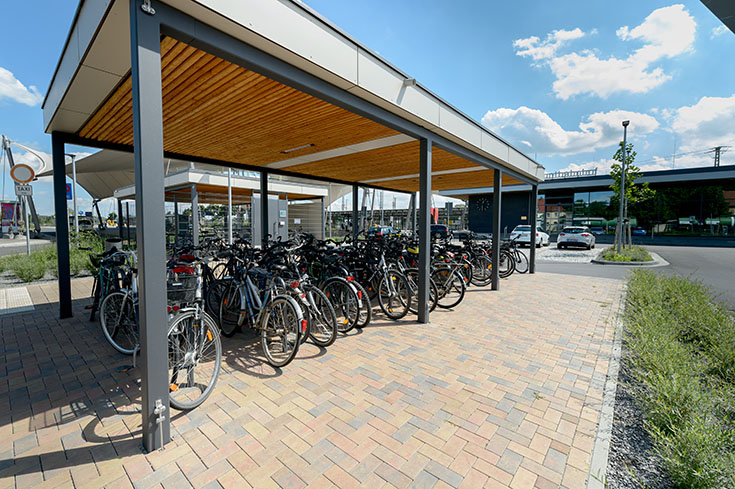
x=596, y=477
x=657, y=261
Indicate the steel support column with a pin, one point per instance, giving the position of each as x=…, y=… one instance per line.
x=62, y=225
x=424, y=226
x=355, y=217
x=120, y=221
x=497, y=184
x=229, y=206
x=176, y=221
x=264, y=227
x=532, y=203
x=145, y=42
x=194, y=215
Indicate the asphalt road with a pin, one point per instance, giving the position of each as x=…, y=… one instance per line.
x=715, y=267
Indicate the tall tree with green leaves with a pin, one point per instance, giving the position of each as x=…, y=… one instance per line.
x=635, y=193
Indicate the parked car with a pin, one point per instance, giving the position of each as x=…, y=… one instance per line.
x=463, y=235
x=380, y=231
x=521, y=234
x=576, y=236
x=639, y=231
x=440, y=231
x=597, y=230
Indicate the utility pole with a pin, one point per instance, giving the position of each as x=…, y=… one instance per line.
x=717, y=155
x=622, y=188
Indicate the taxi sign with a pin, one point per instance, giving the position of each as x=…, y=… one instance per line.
x=22, y=173
x=23, y=190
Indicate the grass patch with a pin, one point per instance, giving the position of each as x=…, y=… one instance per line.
x=634, y=254
x=682, y=347
x=33, y=267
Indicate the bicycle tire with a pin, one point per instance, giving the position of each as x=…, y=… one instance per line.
x=520, y=261
x=482, y=273
x=344, y=301
x=229, y=310
x=287, y=335
x=118, y=322
x=507, y=264
x=322, y=323
x=413, y=275
x=365, y=306
x=184, y=353
x=215, y=290
x=448, y=281
x=395, y=304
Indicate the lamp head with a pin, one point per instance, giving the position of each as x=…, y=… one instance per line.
x=625, y=123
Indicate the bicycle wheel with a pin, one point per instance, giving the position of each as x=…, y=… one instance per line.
x=394, y=294
x=118, y=321
x=482, y=270
x=521, y=261
x=465, y=268
x=365, y=306
x=215, y=291
x=344, y=301
x=280, y=331
x=412, y=274
x=450, y=286
x=322, y=326
x=220, y=271
x=507, y=264
x=229, y=309
x=194, y=359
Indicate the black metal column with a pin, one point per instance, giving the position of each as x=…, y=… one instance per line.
x=497, y=183
x=120, y=221
x=424, y=226
x=355, y=215
x=62, y=225
x=145, y=42
x=264, y=227
x=532, y=203
x=194, y=215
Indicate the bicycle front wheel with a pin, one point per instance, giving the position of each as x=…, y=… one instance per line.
x=280, y=331
x=322, y=320
x=194, y=359
x=344, y=301
x=482, y=270
x=521, y=261
x=364, y=305
x=119, y=322
x=394, y=294
x=450, y=286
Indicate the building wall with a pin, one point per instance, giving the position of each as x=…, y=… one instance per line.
x=513, y=210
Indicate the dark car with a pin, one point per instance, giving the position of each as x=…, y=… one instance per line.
x=597, y=230
x=440, y=231
x=380, y=231
x=639, y=231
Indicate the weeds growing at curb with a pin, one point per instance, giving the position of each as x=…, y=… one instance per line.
x=634, y=254
x=683, y=354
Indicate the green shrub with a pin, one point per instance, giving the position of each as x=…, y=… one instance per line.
x=682, y=353
x=634, y=254
x=29, y=268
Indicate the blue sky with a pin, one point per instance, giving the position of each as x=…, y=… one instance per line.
x=553, y=78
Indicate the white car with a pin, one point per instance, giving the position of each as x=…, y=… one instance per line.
x=521, y=234
x=575, y=236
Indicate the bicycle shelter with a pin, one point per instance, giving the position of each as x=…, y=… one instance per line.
x=263, y=85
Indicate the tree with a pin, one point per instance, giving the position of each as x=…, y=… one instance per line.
x=635, y=193
x=112, y=216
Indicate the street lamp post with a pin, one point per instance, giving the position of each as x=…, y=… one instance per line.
x=622, y=188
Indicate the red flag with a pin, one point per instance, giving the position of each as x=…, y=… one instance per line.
x=435, y=215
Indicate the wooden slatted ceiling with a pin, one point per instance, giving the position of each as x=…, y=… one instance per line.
x=452, y=181
x=215, y=109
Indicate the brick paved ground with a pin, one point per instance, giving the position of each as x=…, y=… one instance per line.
x=503, y=392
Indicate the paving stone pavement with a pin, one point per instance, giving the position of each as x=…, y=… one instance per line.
x=504, y=391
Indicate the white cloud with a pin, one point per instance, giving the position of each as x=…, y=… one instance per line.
x=12, y=88
x=710, y=122
x=718, y=31
x=537, y=49
x=540, y=133
x=602, y=166
x=667, y=32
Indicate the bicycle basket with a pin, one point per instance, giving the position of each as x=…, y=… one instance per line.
x=181, y=284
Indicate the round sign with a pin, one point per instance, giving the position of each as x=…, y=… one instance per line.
x=22, y=173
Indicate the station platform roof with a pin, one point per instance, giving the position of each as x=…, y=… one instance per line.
x=355, y=118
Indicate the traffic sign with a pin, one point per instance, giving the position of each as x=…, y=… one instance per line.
x=23, y=190
x=68, y=191
x=22, y=173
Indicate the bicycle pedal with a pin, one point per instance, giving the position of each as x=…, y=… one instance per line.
x=88, y=307
x=125, y=368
